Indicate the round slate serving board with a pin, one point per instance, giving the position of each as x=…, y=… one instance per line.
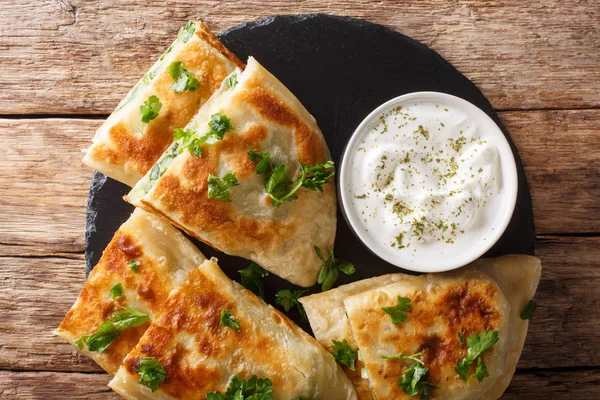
x=340, y=69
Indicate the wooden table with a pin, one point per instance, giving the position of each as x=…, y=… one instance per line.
x=65, y=65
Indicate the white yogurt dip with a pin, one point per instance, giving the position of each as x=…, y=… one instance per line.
x=427, y=181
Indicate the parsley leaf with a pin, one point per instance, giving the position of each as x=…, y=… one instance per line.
x=330, y=271
x=263, y=166
x=110, y=330
x=345, y=354
x=194, y=145
x=219, y=188
x=231, y=80
x=129, y=318
x=219, y=124
x=241, y=389
x=397, y=312
x=282, y=189
x=101, y=339
x=152, y=374
x=183, y=79
x=116, y=291
x=414, y=378
x=318, y=175
x=528, y=310
x=228, y=321
x=477, y=345
x=150, y=109
x=187, y=31
x=288, y=299
x=252, y=279
x=134, y=265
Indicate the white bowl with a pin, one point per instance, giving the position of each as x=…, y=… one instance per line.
x=437, y=257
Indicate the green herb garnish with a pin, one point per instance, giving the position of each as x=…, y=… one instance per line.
x=252, y=279
x=116, y=291
x=477, y=345
x=219, y=188
x=241, y=389
x=231, y=80
x=219, y=124
x=397, y=312
x=288, y=299
x=150, y=109
x=129, y=318
x=528, y=310
x=263, y=166
x=134, y=265
x=282, y=189
x=183, y=79
x=228, y=320
x=330, y=271
x=152, y=374
x=414, y=378
x=101, y=339
x=187, y=31
x=345, y=354
x=111, y=328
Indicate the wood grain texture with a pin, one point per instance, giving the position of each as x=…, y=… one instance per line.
x=54, y=385
x=42, y=208
x=37, y=292
x=76, y=56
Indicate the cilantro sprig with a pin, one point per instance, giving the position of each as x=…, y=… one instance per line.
x=219, y=188
x=345, y=354
x=330, y=271
x=110, y=329
x=229, y=321
x=477, y=345
x=397, y=312
x=218, y=125
x=252, y=279
x=240, y=389
x=134, y=265
x=183, y=79
x=289, y=298
x=263, y=166
x=150, y=109
x=414, y=378
x=152, y=374
x=279, y=187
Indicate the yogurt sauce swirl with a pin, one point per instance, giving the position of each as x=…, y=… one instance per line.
x=423, y=175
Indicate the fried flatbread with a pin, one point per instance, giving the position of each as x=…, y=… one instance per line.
x=124, y=147
x=263, y=116
x=161, y=255
x=200, y=354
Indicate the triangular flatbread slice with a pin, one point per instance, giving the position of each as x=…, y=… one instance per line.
x=125, y=147
x=200, y=351
x=162, y=257
x=256, y=113
x=502, y=287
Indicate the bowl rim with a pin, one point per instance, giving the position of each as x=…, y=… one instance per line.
x=509, y=176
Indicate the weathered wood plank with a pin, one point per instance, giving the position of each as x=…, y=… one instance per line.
x=561, y=155
x=37, y=292
x=54, y=385
x=82, y=57
x=44, y=185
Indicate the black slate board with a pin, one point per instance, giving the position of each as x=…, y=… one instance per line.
x=340, y=69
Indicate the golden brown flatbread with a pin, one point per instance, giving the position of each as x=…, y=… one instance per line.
x=161, y=255
x=263, y=116
x=200, y=354
x=124, y=147
x=500, y=288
